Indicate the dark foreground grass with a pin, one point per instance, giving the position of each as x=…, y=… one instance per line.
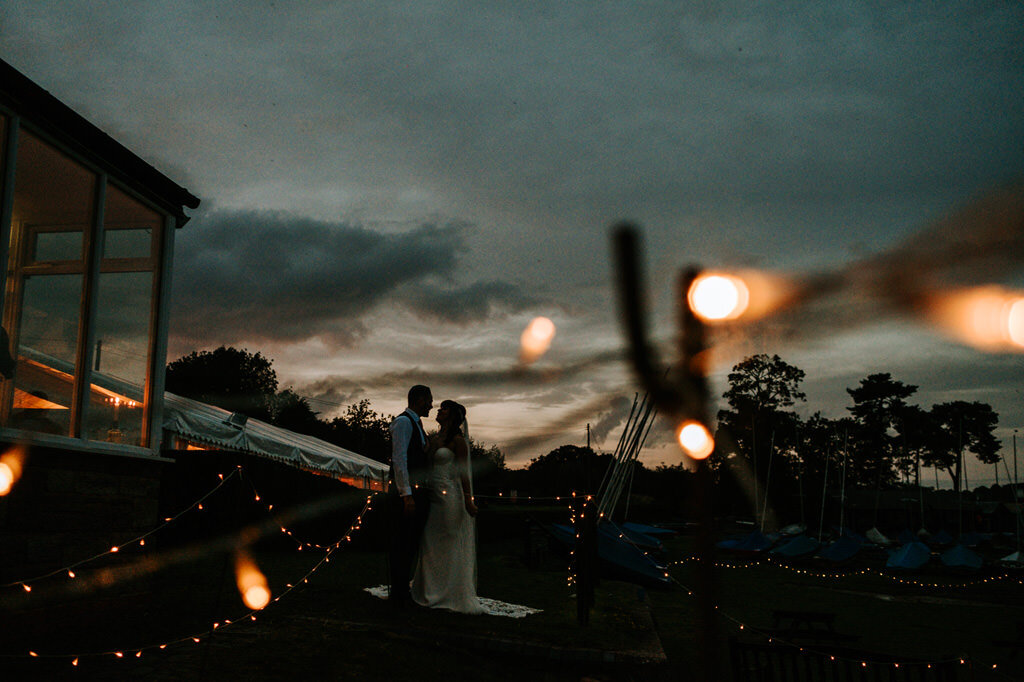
x=329, y=628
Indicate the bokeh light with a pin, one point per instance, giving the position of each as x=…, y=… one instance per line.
x=11, y=463
x=716, y=297
x=252, y=584
x=696, y=440
x=536, y=339
x=990, y=318
x=1015, y=322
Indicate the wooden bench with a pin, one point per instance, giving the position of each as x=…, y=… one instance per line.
x=764, y=662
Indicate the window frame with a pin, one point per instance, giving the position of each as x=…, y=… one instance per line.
x=91, y=266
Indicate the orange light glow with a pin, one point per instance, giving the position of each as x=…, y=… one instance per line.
x=11, y=463
x=536, y=339
x=717, y=297
x=252, y=584
x=990, y=318
x=696, y=440
x=1015, y=322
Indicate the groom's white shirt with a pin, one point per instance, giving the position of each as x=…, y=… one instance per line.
x=401, y=433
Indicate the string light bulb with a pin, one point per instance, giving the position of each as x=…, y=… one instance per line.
x=716, y=297
x=536, y=339
x=695, y=439
x=252, y=584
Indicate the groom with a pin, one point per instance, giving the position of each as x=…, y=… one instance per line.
x=408, y=495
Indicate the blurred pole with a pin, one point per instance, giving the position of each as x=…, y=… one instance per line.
x=693, y=380
x=682, y=396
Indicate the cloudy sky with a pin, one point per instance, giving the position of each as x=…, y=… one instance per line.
x=392, y=190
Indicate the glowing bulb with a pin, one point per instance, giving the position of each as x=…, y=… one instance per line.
x=716, y=297
x=696, y=440
x=1015, y=322
x=252, y=584
x=10, y=469
x=6, y=478
x=536, y=339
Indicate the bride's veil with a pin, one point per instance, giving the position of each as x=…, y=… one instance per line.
x=469, y=475
x=469, y=454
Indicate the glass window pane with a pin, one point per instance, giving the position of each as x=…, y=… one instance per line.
x=122, y=329
x=51, y=246
x=44, y=376
x=53, y=196
x=129, y=226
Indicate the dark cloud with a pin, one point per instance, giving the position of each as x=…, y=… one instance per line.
x=472, y=303
x=617, y=413
x=508, y=377
x=272, y=276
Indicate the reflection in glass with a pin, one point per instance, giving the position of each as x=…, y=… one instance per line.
x=56, y=246
x=44, y=376
x=128, y=225
x=124, y=302
x=53, y=202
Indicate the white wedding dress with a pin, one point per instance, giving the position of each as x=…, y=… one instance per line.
x=445, y=576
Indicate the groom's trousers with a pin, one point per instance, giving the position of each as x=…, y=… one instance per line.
x=405, y=531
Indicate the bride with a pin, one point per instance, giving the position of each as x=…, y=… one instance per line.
x=445, y=575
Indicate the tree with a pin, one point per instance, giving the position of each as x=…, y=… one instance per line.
x=362, y=431
x=236, y=380
x=759, y=433
x=291, y=411
x=880, y=410
x=565, y=469
x=958, y=427
x=762, y=384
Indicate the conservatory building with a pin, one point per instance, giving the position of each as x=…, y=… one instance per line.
x=87, y=235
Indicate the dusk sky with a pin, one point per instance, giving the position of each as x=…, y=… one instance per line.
x=391, y=191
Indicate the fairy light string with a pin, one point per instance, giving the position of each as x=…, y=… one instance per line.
x=825, y=575
x=69, y=570
x=771, y=638
x=197, y=637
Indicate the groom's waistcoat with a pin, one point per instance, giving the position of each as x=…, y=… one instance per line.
x=415, y=457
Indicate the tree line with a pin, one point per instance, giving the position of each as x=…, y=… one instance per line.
x=884, y=440
x=240, y=381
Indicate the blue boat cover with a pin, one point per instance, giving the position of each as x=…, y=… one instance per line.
x=942, y=538
x=905, y=536
x=972, y=539
x=756, y=541
x=648, y=530
x=961, y=557
x=799, y=546
x=637, y=538
x=620, y=558
x=842, y=549
x=909, y=556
